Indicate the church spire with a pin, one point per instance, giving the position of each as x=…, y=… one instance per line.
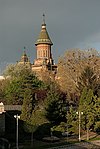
x=44, y=36
x=24, y=57
x=43, y=18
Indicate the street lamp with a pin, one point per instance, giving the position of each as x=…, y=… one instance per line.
x=79, y=113
x=17, y=117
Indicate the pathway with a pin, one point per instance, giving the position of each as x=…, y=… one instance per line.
x=82, y=145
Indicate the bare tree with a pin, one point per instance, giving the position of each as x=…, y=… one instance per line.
x=72, y=64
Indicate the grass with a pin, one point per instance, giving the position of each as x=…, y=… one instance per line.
x=95, y=138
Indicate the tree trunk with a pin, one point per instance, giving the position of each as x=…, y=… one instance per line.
x=87, y=133
x=32, y=139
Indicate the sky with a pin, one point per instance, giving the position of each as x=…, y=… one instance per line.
x=70, y=24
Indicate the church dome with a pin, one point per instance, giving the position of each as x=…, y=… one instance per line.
x=44, y=36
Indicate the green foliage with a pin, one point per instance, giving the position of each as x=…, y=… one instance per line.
x=31, y=81
x=88, y=104
x=43, y=130
x=31, y=114
x=22, y=88
x=13, y=92
x=29, y=128
x=71, y=123
x=34, y=120
x=97, y=127
x=20, y=79
x=3, y=84
x=15, y=70
x=55, y=107
x=97, y=108
x=87, y=79
x=38, y=117
x=72, y=120
x=28, y=105
x=62, y=127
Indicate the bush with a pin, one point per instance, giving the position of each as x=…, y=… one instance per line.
x=97, y=127
x=42, y=131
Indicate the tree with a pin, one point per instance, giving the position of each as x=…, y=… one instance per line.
x=32, y=114
x=88, y=79
x=55, y=109
x=88, y=104
x=13, y=92
x=72, y=120
x=28, y=105
x=20, y=79
x=72, y=63
x=3, y=84
x=15, y=70
x=97, y=122
x=22, y=88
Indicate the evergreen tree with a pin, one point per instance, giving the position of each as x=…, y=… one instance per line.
x=88, y=80
x=28, y=105
x=13, y=92
x=55, y=109
x=89, y=106
x=21, y=79
x=72, y=120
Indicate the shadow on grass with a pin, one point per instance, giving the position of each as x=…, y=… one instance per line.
x=60, y=145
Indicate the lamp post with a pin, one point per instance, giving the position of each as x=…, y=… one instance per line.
x=79, y=126
x=17, y=117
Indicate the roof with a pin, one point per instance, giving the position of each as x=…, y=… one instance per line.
x=24, y=57
x=44, y=36
x=12, y=107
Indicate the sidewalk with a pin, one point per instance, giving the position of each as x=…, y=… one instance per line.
x=82, y=145
x=96, y=142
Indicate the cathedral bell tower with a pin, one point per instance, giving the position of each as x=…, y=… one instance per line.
x=43, y=47
x=24, y=60
x=43, y=64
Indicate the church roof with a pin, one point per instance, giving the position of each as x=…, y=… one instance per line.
x=44, y=36
x=24, y=57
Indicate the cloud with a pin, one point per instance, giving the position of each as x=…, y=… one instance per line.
x=69, y=23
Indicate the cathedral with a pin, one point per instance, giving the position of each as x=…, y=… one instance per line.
x=44, y=61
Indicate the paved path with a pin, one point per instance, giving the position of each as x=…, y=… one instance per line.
x=82, y=145
x=96, y=142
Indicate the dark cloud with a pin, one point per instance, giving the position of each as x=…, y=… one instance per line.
x=70, y=23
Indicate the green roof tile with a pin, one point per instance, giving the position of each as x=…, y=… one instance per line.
x=43, y=37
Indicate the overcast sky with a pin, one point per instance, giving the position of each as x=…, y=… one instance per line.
x=70, y=24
